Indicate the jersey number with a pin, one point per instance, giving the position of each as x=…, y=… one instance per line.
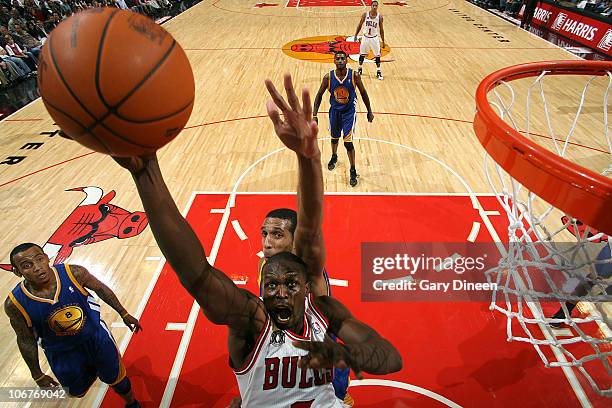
x=369, y=31
x=302, y=404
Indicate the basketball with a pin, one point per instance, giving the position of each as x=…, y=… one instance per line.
x=116, y=82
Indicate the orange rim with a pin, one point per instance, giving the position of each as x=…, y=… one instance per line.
x=571, y=188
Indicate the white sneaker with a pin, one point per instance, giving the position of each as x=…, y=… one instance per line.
x=379, y=76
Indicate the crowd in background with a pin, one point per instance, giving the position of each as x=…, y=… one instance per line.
x=26, y=24
x=513, y=7
x=603, y=7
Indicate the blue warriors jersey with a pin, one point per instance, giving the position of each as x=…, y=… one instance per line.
x=67, y=320
x=342, y=92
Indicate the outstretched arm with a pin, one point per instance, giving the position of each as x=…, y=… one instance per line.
x=363, y=350
x=299, y=133
x=87, y=280
x=319, y=97
x=27, y=344
x=221, y=300
x=364, y=95
x=359, y=25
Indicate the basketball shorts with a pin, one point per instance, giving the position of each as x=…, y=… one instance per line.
x=76, y=369
x=370, y=44
x=341, y=382
x=342, y=122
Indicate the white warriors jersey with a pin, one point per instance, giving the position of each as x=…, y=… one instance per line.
x=272, y=379
x=370, y=26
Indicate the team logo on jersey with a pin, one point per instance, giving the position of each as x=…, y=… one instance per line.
x=341, y=95
x=277, y=337
x=322, y=49
x=67, y=321
x=95, y=219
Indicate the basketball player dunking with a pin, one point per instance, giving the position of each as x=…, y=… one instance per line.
x=278, y=345
x=53, y=305
x=278, y=235
x=341, y=84
x=370, y=41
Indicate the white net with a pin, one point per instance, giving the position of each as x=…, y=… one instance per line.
x=554, y=275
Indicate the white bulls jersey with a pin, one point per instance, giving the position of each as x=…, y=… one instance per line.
x=370, y=26
x=272, y=378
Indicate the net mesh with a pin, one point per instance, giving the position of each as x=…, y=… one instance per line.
x=551, y=261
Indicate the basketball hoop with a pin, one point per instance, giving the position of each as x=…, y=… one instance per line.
x=559, y=211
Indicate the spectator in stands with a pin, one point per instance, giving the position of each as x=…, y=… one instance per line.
x=15, y=19
x=603, y=7
x=5, y=16
x=512, y=7
x=530, y=6
x=33, y=12
x=3, y=32
x=36, y=30
x=13, y=49
x=121, y=4
x=54, y=8
x=26, y=40
x=52, y=22
x=20, y=67
x=65, y=8
x=586, y=4
x=7, y=74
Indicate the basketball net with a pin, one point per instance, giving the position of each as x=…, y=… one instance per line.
x=552, y=258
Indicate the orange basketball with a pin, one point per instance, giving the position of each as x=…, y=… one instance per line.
x=116, y=82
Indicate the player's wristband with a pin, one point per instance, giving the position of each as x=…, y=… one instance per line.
x=125, y=314
x=39, y=378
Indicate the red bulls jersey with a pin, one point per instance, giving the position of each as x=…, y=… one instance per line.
x=65, y=321
x=272, y=378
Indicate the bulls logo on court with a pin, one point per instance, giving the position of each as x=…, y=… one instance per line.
x=95, y=219
x=67, y=321
x=322, y=49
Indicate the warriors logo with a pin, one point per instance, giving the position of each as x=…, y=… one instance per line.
x=322, y=49
x=67, y=321
x=341, y=95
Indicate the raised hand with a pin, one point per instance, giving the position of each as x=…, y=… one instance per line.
x=298, y=131
x=326, y=353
